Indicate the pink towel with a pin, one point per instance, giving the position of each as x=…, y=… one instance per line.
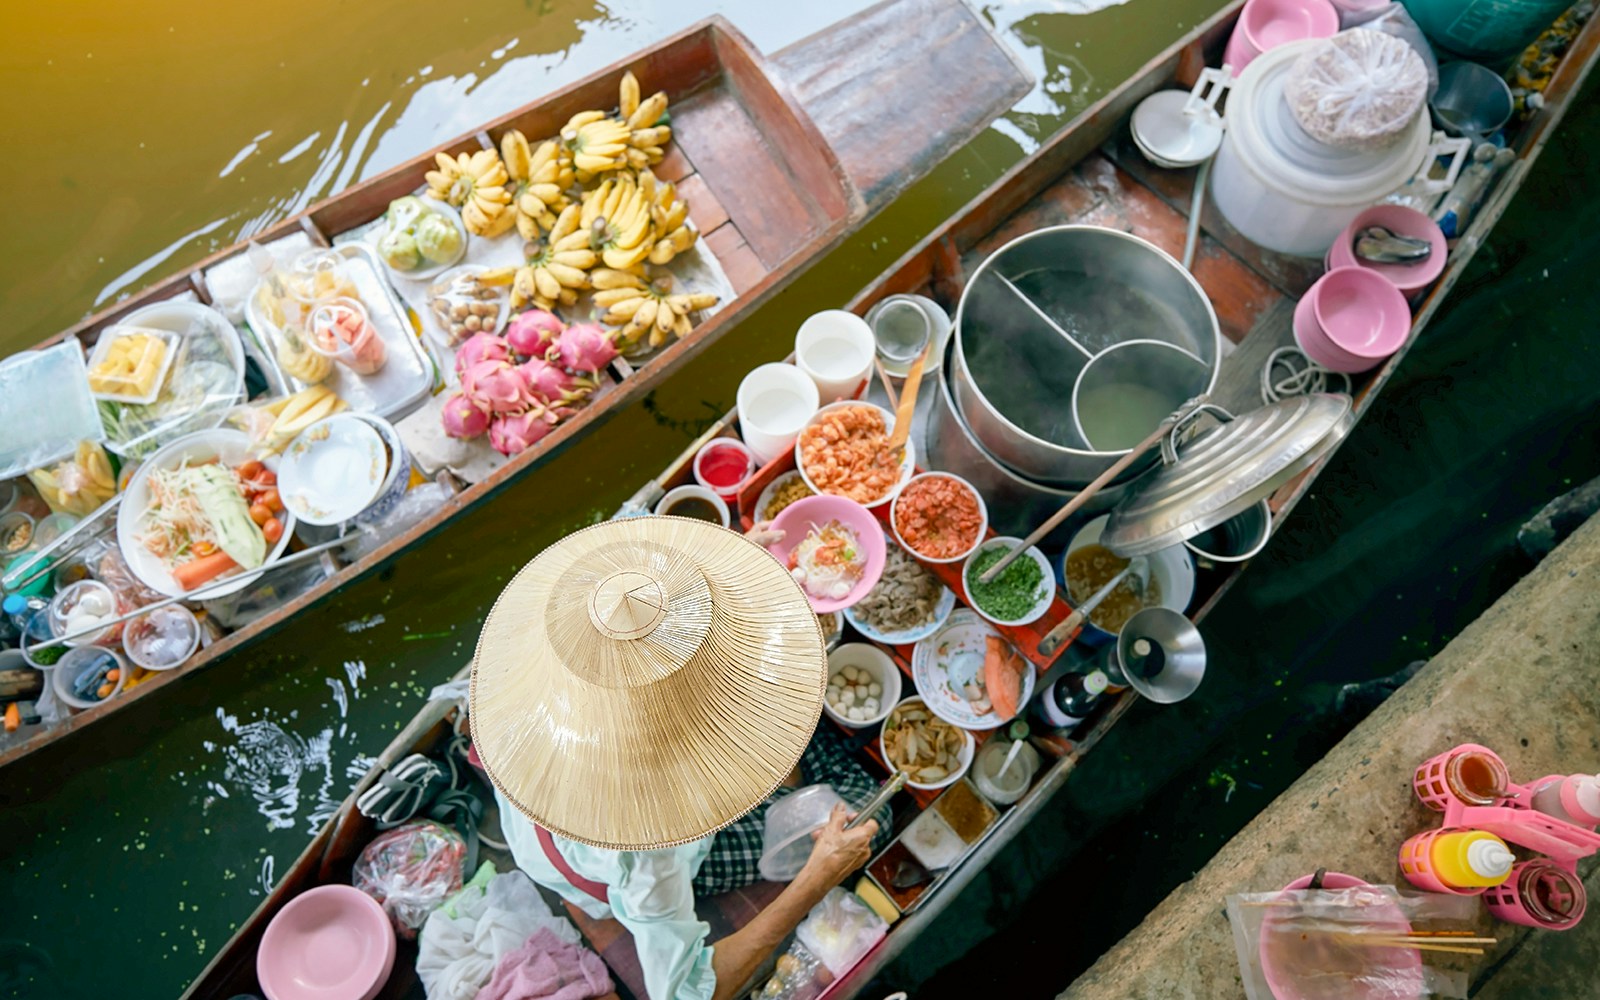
x=547, y=968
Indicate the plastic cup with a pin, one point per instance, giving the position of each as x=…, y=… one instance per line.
x=775, y=401
x=16, y=533
x=79, y=661
x=362, y=351
x=72, y=598
x=723, y=466
x=163, y=639
x=835, y=349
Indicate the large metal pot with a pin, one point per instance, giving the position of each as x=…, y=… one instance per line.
x=1014, y=363
x=1016, y=505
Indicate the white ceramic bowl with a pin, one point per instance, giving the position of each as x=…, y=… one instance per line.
x=1171, y=568
x=233, y=448
x=1047, y=587
x=908, y=466
x=397, y=480
x=963, y=758
x=865, y=656
x=699, y=492
x=983, y=517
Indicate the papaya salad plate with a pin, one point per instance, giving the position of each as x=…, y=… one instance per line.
x=201, y=512
x=969, y=675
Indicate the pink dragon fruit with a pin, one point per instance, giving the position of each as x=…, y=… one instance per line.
x=553, y=384
x=533, y=333
x=514, y=433
x=496, y=386
x=481, y=347
x=463, y=418
x=585, y=347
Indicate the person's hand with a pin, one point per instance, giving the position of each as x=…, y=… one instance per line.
x=837, y=851
x=764, y=534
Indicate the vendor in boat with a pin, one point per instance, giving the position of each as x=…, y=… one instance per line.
x=642, y=691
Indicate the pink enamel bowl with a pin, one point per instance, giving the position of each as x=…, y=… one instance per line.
x=797, y=520
x=1398, y=219
x=333, y=942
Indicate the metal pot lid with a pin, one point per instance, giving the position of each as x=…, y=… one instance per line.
x=1225, y=471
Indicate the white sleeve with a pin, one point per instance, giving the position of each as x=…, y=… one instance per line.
x=654, y=899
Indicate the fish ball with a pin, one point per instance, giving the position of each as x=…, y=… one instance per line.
x=874, y=689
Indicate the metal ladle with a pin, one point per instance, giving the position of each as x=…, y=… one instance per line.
x=1166, y=367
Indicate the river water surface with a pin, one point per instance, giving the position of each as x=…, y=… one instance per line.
x=160, y=131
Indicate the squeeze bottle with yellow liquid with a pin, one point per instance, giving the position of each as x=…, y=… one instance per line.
x=1471, y=859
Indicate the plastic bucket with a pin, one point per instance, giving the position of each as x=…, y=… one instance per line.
x=1484, y=28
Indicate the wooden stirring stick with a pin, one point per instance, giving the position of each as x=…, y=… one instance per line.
x=1071, y=506
x=888, y=386
x=908, y=400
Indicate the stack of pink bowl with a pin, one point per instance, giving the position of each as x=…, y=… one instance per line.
x=1402, y=221
x=1351, y=320
x=1267, y=24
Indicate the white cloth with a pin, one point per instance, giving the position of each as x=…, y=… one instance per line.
x=458, y=954
x=651, y=894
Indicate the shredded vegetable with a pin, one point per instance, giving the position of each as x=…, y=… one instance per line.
x=175, y=525
x=828, y=562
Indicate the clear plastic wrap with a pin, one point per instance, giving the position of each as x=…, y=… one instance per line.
x=45, y=407
x=1394, y=19
x=205, y=381
x=411, y=870
x=77, y=485
x=796, y=976
x=1332, y=944
x=840, y=930
x=1359, y=89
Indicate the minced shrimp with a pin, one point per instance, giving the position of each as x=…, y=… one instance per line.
x=846, y=454
x=938, y=517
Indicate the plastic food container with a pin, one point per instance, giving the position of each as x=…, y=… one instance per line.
x=16, y=533
x=130, y=363
x=1005, y=789
x=786, y=839
x=206, y=381
x=163, y=639
x=1289, y=193
x=695, y=502
x=79, y=606
x=87, y=669
x=342, y=330
x=775, y=401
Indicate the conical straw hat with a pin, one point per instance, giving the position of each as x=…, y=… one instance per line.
x=645, y=682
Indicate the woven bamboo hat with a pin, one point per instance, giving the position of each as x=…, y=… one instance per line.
x=645, y=682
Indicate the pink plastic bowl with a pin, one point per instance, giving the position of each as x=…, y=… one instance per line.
x=1361, y=312
x=1268, y=24
x=1283, y=985
x=333, y=942
x=1409, y=278
x=1316, y=345
x=796, y=520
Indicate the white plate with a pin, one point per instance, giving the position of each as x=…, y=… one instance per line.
x=1165, y=131
x=432, y=270
x=230, y=446
x=333, y=470
x=905, y=637
x=942, y=663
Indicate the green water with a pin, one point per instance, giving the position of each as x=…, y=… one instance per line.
x=133, y=850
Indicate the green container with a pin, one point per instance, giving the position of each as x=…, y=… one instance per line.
x=1484, y=29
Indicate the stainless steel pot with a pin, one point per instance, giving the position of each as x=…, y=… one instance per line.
x=1014, y=361
x=1016, y=505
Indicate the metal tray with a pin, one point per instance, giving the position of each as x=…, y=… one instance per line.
x=406, y=378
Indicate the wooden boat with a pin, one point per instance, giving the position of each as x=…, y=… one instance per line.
x=780, y=159
x=1086, y=170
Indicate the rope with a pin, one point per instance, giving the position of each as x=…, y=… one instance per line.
x=1301, y=376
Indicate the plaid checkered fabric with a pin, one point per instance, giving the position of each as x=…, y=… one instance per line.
x=737, y=848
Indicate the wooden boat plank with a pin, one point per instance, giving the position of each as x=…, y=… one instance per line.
x=1239, y=377
x=740, y=263
x=931, y=104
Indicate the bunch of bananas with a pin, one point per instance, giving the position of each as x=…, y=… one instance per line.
x=617, y=217
x=596, y=144
x=645, y=137
x=556, y=266
x=645, y=305
x=476, y=184
x=669, y=216
x=539, y=180
x=294, y=414
x=78, y=485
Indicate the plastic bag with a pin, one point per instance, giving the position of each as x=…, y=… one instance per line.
x=78, y=485
x=840, y=930
x=271, y=424
x=411, y=870
x=795, y=977
x=1319, y=944
x=45, y=407
x=419, y=501
x=269, y=592
x=1394, y=19
x=1357, y=90
x=205, y=381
